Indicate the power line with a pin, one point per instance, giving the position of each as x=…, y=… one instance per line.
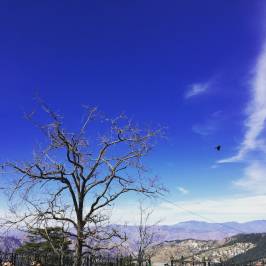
x=202, y=216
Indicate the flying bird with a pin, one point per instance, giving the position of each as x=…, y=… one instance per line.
x=218, y=147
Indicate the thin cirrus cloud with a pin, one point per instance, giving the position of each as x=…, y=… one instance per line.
x=204, y=129
x=209, y=126
x=254, y=175
x=197, y=89
x=183, y=190
x=254, y=179
x=256, y=114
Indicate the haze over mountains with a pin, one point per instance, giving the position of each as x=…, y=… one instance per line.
x=185, y=230
x=202, y=230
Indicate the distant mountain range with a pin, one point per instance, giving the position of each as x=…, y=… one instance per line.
x=9, y=243
x=202, y=230
x=241, y=248
x=185, y=230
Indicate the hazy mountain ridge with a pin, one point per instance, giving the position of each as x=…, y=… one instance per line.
x=9, y=243
x=196, y=230
x=201, y=230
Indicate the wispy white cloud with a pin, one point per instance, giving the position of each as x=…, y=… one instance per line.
x=183, y=190
x=209, y=126
x=256, y=114
x=254, y=179
x=196, y=89
x=253, y=143
x=205, y=129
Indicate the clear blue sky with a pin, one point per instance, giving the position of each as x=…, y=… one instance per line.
x=189, y=65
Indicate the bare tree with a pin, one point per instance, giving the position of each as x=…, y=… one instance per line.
x=146, y=236
x=75, y=178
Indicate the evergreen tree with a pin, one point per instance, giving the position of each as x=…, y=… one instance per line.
x=51, y=240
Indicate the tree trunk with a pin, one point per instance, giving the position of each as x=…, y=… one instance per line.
x=62, y=260
x=78, y=255
x=80, y=231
